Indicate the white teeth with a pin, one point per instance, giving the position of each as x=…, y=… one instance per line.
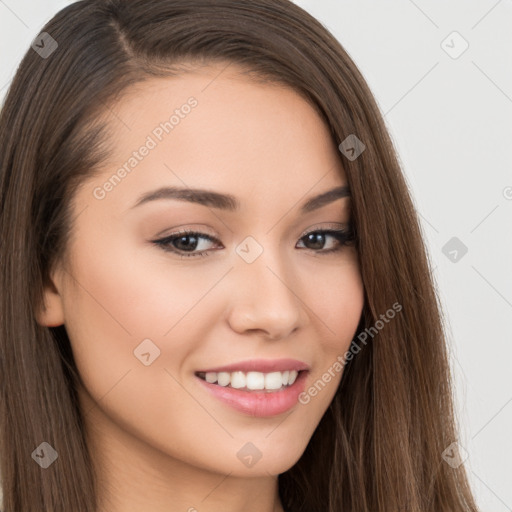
x=292, y=377
x=238, y=380
x=210, y=377
x=252, y=380
x=273, y=380
x=255, y=380
x=223, y=378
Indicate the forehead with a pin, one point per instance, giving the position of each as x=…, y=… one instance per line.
x=214, y=127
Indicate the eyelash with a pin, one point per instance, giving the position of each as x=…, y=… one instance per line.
x=344, y=237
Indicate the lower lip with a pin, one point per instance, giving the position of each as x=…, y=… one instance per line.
x=259, y=403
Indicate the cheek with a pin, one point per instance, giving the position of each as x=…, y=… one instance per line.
x=338, y=304
x=116, y=301
x=123, y=295
x=346, y=318
x=337, y=311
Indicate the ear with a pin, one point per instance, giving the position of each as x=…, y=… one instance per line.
x=52, y=314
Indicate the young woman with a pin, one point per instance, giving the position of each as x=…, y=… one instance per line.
x=215, y=293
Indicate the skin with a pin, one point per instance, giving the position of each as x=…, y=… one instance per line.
x=159, y=441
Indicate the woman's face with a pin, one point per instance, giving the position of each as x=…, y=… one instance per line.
x=248, y=288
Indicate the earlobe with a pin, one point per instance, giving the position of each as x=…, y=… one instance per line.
x=52, y=312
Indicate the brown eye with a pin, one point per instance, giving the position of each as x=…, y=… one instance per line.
x=316, y=240
x=185, y=242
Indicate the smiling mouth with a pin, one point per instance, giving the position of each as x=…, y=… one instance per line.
x=252, y=381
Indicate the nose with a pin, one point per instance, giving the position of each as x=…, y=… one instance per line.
x=263, y=299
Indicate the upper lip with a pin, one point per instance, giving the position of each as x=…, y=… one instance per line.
x=260, y=365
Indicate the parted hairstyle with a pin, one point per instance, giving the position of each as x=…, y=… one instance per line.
x=379, y=445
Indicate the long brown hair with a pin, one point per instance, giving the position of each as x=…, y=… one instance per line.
x=379, y=445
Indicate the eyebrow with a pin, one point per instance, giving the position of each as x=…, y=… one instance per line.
x=229, y=202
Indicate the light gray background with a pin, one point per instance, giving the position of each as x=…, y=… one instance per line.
x=450, y=119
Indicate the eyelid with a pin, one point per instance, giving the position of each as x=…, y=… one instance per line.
x=347, y=226
x=199, y=228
